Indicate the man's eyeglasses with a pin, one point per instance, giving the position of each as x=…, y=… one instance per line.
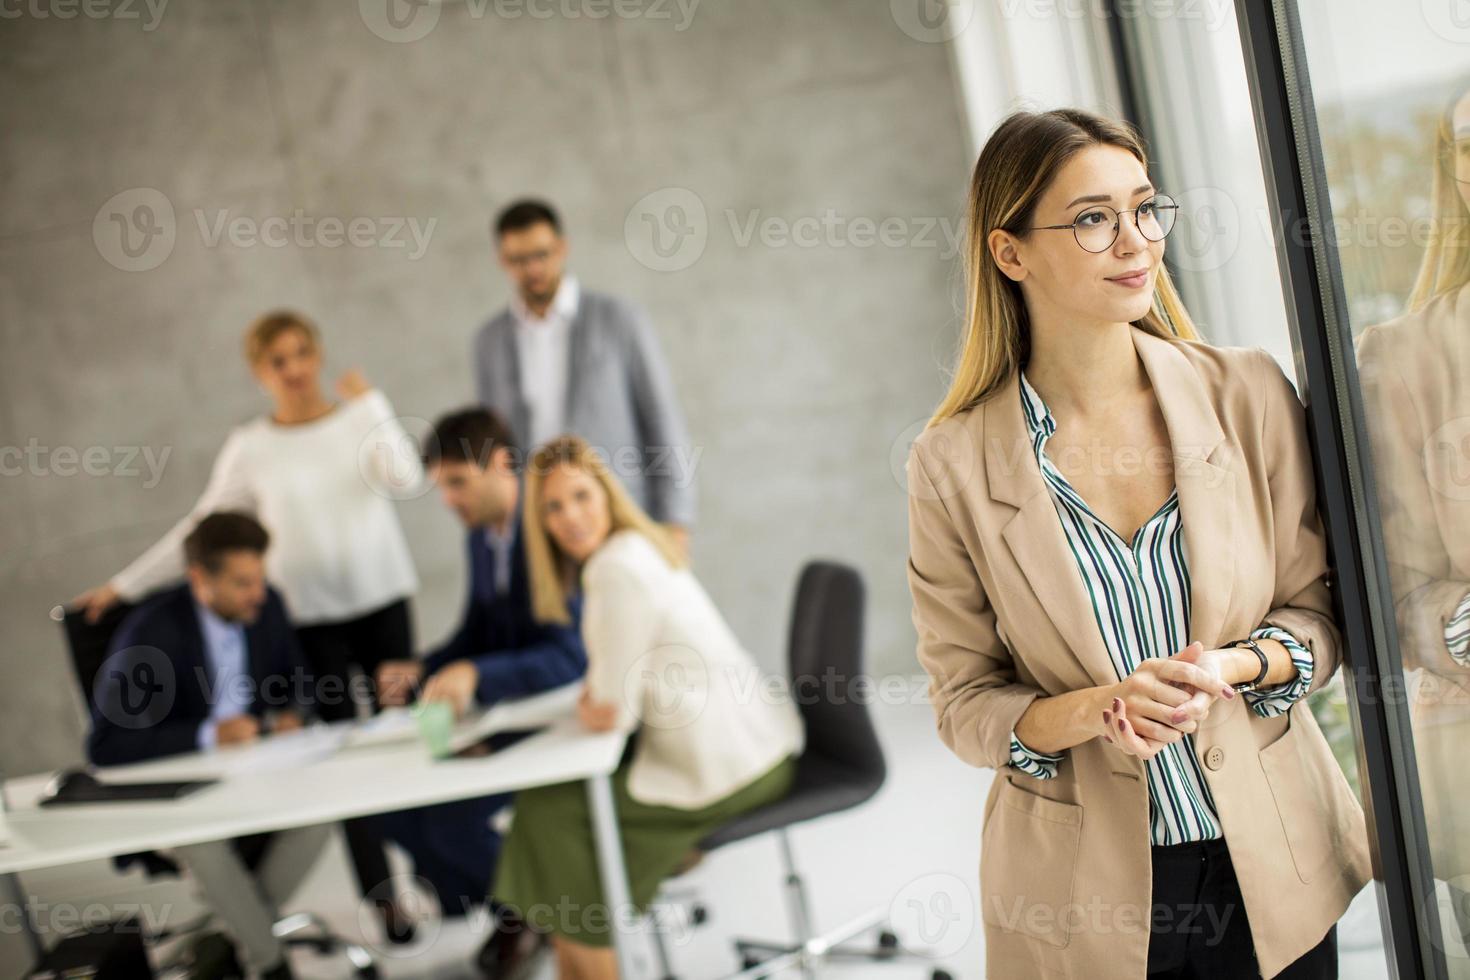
x=1097, y=227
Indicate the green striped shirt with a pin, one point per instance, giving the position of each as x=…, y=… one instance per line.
x=1140, y=597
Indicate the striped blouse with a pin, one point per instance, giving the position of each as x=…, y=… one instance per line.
x=1140, y=596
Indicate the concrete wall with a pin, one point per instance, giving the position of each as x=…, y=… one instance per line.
x=805, y=351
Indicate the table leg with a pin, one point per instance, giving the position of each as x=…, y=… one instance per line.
x=612, y=870
x=12, y=893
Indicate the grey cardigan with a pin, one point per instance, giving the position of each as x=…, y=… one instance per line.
x=620, y=398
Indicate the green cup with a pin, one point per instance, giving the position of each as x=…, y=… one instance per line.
x=436, y=721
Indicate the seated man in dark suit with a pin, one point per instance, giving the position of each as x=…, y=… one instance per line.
x=212, y=663
x=499, y=650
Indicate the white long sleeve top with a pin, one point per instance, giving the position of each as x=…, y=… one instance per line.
x=324, y=490
x=709, y=723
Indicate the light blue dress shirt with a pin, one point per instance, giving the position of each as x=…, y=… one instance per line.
x=229, y=672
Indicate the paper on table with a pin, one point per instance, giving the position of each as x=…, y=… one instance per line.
x=529, y=712
x=286, y=750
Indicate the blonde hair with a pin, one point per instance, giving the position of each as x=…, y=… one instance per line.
x=1018, y=163
x=264, y=331
x=1446, y=262
x=552, y=571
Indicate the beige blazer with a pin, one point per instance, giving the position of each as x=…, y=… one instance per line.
x=1414, y=372
x=709, y=722
x=1002, y=618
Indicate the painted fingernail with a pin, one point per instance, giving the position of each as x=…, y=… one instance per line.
x=1228, y=693
x=1117, y=704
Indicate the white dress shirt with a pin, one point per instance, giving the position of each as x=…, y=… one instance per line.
x=544, y=351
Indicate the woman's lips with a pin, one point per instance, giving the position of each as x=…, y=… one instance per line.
x=1132, y=282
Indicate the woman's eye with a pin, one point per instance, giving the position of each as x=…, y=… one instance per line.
x=1147, y=207
x=1091, y=219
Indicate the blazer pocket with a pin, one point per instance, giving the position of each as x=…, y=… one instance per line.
x=1028, y=863
x=1304, y=790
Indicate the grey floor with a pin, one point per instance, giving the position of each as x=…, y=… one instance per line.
x=913, y=850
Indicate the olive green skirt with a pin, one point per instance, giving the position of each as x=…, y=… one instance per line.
x=548, y=866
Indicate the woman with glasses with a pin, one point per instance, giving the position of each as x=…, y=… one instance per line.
x=1120, y=589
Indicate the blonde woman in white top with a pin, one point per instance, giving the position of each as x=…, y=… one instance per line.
x=712, y=739
x=322, y=477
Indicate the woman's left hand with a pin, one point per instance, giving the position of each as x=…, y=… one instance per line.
x=1216, y=663
x=597, y=716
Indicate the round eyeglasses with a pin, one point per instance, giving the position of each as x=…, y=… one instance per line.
x=1097, y=227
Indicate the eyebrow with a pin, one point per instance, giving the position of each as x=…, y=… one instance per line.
x=1104, y=198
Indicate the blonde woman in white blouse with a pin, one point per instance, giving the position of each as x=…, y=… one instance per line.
x=321, y=475
x=711, y=740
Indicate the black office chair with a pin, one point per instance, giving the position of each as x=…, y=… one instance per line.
x=840, y=767
x=88, y=645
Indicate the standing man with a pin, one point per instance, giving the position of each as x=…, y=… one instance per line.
x=564, y=359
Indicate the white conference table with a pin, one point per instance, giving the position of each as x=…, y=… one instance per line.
x=352, y=781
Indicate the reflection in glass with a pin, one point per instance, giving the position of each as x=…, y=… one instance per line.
x=1414, y=371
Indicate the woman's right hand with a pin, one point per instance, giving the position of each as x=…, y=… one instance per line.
x=94, y=602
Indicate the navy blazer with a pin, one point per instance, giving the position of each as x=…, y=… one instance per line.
x=514, y=654
x=153, y=691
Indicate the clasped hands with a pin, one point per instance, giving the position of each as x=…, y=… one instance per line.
x=1164, y=699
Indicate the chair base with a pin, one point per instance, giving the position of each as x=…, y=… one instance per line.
x=760, y=958
x=305, y=930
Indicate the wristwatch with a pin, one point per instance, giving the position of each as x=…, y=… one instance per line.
x=1256, y=681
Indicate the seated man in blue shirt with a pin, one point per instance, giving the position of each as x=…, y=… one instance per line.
x=499, y=650
x=214, y=662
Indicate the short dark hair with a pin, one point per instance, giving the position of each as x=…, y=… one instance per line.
x=469, y=435
x=220, y=533
x=525, y=213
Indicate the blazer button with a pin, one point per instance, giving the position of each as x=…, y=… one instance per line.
x=1215, y=757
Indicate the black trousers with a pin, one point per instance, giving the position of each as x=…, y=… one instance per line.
x=1198, y=928
x=331, y=650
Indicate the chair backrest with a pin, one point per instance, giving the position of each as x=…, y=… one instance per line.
x=88, y=643
x=825, y=656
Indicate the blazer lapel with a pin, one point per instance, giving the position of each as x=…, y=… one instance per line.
x=520, y=420
x=1038, y=543
x=577, y=367
x=1204, y=479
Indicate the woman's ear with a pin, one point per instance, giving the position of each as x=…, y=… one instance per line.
x=1001, y=245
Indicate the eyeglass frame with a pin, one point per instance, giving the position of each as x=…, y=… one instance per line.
x=1117, y=225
